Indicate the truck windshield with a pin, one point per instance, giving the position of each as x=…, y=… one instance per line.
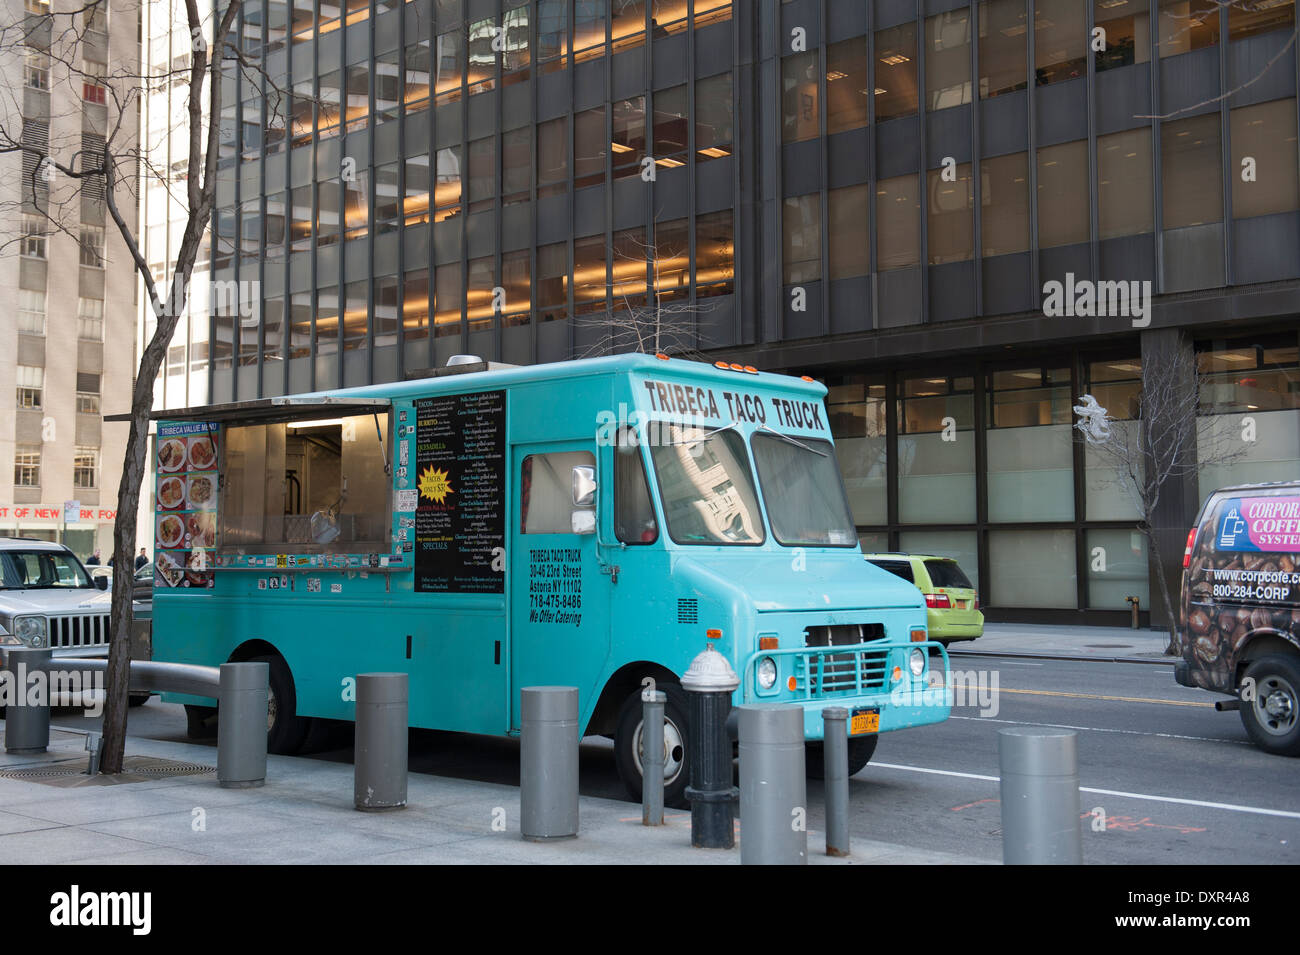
x=803, y=491
x=707, y=486
x=29, y=570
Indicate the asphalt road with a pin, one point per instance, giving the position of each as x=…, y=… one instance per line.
x=1175, y=781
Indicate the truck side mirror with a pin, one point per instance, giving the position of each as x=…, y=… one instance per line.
x=584, y=486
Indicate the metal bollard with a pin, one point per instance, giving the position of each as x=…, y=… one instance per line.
x=652, y=757
x=710, y=680
x=548, y=762
x=773, y=789
x=379, y=775
x=835, y=773
x=27, y=728
x=241, y=725
x=1040, y=796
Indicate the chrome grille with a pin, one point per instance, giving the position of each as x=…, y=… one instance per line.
x=78, y=630
x=839, y=671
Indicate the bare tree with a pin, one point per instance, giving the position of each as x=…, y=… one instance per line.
x=109, y=172
x=1149, y=455
x=662, y=321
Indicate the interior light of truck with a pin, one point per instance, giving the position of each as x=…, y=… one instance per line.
x=1191, y=542
x=314, y=423
x=896, y=675
x=916, y=662
x=767, y=643
x=918, y=636
x=767, y=673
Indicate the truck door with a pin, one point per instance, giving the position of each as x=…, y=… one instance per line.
x=559, y=598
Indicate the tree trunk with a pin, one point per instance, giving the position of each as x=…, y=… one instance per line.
x=1171, y=647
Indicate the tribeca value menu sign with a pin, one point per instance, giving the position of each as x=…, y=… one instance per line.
x=460, y=454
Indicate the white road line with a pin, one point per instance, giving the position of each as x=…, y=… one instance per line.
x=1102, y=792
x=1100, y=729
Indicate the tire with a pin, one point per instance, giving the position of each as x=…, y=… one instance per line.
x=627, y=746
x=1272, y=718
x=199, y=723
x=286, y=731
x=861, y=749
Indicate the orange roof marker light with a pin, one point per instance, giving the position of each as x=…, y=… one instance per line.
x=806, y=378
x=721, y=364
x=735, y=367
x=661, y=356
x=751, y=369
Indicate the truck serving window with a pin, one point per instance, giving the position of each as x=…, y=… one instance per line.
x=706, y=486
x=803, y=491
x=316, y=486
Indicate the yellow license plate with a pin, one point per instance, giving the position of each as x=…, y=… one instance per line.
x=864, y=721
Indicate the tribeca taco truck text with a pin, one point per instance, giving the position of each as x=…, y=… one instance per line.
x=579, y=524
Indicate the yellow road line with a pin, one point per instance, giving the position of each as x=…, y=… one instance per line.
x=1096, y=696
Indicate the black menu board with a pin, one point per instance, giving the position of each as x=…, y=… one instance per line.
x=460, y=472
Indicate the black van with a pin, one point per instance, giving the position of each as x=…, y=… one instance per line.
x=1239, y=624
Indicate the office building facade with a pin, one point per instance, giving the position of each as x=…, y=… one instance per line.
x=930, y=206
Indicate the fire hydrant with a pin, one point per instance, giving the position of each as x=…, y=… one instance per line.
x=710, y=681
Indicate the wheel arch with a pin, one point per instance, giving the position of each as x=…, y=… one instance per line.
x=254, y=648
x=1264, y=643
x=621, y=684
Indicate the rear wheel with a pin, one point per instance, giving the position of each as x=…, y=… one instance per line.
x=628, y=746
x=861, y=749
x=286, y=731
x=1272, y=715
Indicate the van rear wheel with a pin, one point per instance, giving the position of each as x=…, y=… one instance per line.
x=1272, y=716
x=628, y=747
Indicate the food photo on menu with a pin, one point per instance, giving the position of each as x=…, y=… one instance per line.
x=186, y=527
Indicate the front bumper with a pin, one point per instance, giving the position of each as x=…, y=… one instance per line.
x=855, y=677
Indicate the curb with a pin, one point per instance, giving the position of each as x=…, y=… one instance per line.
x=1074, y=657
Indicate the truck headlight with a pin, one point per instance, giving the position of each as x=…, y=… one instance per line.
x=30, y=630
x=916, y=662
x=767, y=673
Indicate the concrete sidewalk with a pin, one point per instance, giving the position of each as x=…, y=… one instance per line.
x=304, y=814
x=1083, y=643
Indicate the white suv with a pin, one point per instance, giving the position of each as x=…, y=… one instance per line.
x=48, y=600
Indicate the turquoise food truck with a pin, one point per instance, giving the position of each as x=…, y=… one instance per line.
x=487, y=528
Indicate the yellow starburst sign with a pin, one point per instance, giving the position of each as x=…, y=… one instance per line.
x=435, y=484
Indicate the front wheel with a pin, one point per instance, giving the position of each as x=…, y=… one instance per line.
x=1272, y=715
x=628, y=748
x=861, y=749
x=286, y=731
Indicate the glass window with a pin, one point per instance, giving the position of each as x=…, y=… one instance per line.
x=715, y=265
x=329, y=99
x=947, y=59
x=803, y=491
x=31, y=312
x=479, y=294
x=936, y=449
x=1117, y=569
x=896, y=80
x=272, y=322
x=589, y=147
x=706, y=486
x=589, y=28
x=1264, y=145
x=671, y=277
x=415, y=305
x=356, y=210
x=546, y=491
x=449, y=53
x=388, y=202
x=514, y=280
x=1126, y=32
x=516, y=164
x=447, y=299
x=358, y=97
x=447, y=189
x=415, y=76
x=552, y=281
x=90, y=319
x=856, y=409
x=1004, y=58
x=634, y=514
x=92, y=246
x=482, y=59
x=300, y=313
x=951, y=231
x=482, y=173
x=628, y=142
x=800, y=114
x=326, y=326
x=1063, y=195
x=713, y=117
x=514, y=46
x=628, y=27
x=300, y=219
x=344, y=505
x=33, y=569
x=1192, y=172
x=671, y=126
x=27, y=467
x=1004, y=204
x=1187, y=25
x=711, y=11
x=31, y=385
x=846, y=85
x=552, y=157
x=1032, y=569
x=552, y=33
x=1030, y=445
x=960, y=546
x=1124, y=187
x=85, y=468
x=590, y=282
x=1252, y=17
x=898, y=222
x=631, y=255
x=1248, y=376
x=415, y=198
x=389, y=86
x=848, y=231
x=801, y=229
x=355, y=314
x=1060, y=38
x=34, y=231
